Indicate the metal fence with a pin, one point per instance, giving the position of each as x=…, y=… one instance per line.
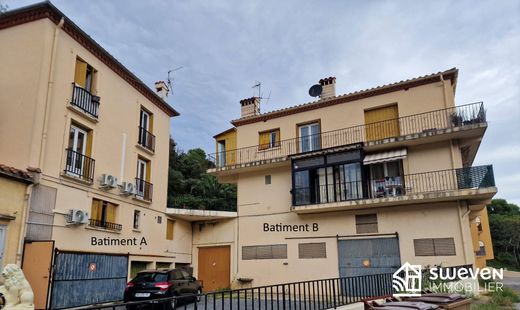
x=85, y=101
x=421, y=123
x=311, y=295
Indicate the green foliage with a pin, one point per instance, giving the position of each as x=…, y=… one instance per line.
x=190, y=187
x=502, y=207
x=504, y=222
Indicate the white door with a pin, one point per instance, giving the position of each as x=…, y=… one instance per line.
x=144, y=123
x=77, y=151
x=3, y=230
x=141, y=175
x=310, y=137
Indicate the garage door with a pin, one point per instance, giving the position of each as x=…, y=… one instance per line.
x=360, y=257
x=214, y=267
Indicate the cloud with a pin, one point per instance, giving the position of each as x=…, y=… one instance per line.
x=225, y=46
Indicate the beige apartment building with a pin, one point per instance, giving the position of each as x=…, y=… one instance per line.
x=100, y=138
x=356, y=184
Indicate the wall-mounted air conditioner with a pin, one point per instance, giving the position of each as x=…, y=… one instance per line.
x=127, y=188
x=76, y=216
x=108, y=181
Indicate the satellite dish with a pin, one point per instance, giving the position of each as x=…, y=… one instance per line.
x=315, y=90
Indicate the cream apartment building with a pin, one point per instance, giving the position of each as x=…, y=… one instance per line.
x=358, y=183
x=100, y=138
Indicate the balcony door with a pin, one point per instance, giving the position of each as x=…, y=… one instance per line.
x=76, y=151
x=142, y=173
x=309, y=137
x=221, y=153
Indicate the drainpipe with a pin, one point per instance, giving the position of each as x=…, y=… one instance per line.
x=24, y=217
x=461, y=223
x=49, y=93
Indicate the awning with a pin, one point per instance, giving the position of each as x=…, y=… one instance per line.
x=384, y=156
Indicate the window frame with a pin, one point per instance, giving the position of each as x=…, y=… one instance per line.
x=299, y=136
x=271, y=144
x=137, y=220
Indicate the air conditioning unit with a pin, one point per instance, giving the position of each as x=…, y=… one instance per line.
x=108, y=181
x=78, y=217
x=128, y=188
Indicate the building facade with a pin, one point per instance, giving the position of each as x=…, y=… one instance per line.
x=359, y=183
x=100, y=137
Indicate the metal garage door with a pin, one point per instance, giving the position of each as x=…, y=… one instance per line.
x=359, y=257
x=87, y=278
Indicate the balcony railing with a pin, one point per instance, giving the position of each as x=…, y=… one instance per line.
x=79, y=165
x=418, y=183
x=146, y=139
x=428, y=122
x=144, y=190
x=105, y=225
x=85, y=101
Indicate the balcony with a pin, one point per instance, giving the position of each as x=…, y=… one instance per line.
x=79, y=166
x=146, y=139
x=105, y=225
x=85, y=101
x=455, y=122
x=472, y=183
x=144, y=189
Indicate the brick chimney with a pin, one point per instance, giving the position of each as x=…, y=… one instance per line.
x=250, y=107
x=329, y=87
x=162, y=89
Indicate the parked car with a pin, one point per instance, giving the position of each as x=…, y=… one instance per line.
x=157, y=284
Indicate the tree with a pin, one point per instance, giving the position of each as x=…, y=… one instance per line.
x=190, y=187
x=501, y=206
x=504, y=222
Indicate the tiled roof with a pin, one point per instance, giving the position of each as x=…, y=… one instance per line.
x=450, y=74
x=23, y=175
x=47, y=10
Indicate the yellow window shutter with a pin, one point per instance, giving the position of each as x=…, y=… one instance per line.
x=264, y=140
x=148, y=171
x=169, y=229
x=80, y=74
x=96, y=210
x=111, y=212
x=277, y=137
x=382, y=123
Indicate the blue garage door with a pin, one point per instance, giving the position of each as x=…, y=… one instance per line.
x=360, y=257
x=87, y=278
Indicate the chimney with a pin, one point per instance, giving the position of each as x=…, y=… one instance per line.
x=250, y=107
x=329, y=87
x=162, y=89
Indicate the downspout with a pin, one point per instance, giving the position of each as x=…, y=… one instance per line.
x=461, y=224
x=49, y=93
x=23, y=224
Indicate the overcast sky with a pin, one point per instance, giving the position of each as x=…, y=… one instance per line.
x=226, y=46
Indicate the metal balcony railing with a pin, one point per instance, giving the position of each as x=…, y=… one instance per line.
x=79, y=165
x=105, y=225
x=417, y=183
x=85, y=101
x=427, y=122
x=144, y=189
x=146, y=139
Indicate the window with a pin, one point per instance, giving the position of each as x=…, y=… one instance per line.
x=269, y=139
x=331, y=178
x=146, y=138
x=103, y=214
x=309, y=135
x=78, y=163
x=366, y=223
x=386, y=179
x=169, y=229
x=159, y=219
x=482, y=249
x=268, y=179
x=312, y=250
x=143, y=185
x=382, y=123
x=137, y=218
x=84, y=75
x=221, y=153
x=434, y=247
x=275, y=251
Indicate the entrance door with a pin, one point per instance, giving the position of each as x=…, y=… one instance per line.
x=360, y=257
x=36, y=265
x=214, y=267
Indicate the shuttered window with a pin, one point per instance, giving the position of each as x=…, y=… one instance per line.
x=169, y=229
x=84, y=75
x=434, y=247
x=366, y=223
x=312, y=250
x=269, y=139
x=103, y=211
x=274, y=251
x=382, y=123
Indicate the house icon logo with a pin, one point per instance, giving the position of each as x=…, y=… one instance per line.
x=406, y=280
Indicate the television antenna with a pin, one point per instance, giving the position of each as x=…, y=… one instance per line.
x=258, y=85
x=170, y=77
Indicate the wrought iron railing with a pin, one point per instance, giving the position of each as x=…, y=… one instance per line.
x=85, y=101
x=79, y=165
x=146, y=139
x=421, y=123
x=425, y=182
x=105, y=225
x=143, y=189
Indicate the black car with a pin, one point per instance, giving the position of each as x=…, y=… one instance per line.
x=157, y=284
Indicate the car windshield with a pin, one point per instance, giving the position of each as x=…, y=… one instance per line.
x=151, y=277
